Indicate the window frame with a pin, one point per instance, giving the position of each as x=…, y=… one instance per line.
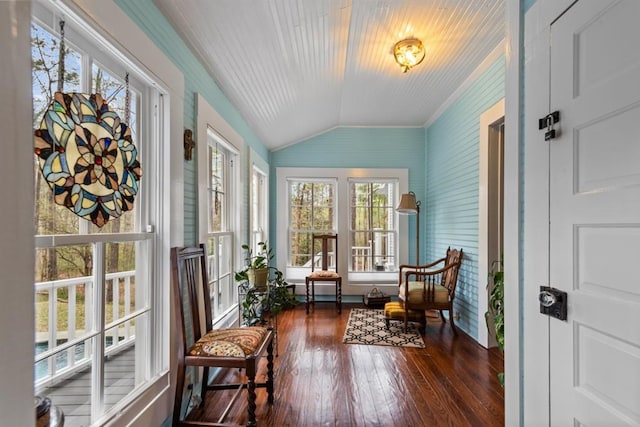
x=209, y=121
x=332, y=182
x=393, y=266
x=352, y=282
x=258, y=201
x=166, y=223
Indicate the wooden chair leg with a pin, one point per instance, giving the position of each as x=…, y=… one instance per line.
x=270, y=396
x=339, y=295
x=177, y=403
x=442, y=316
x=452, y=323
x=205, y=383
x=306, y=282
x=406, y=320
x=251, y=400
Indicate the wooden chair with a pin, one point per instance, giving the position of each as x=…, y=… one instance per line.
x=328, y=271
x=431, y=286
x=209, y=348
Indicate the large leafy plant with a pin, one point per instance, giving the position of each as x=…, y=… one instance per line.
x=259, y=305
x=496, y=306
x=257, y=268
x=261, y=302
x=259, y=260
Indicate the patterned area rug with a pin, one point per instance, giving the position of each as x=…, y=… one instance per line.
x=366, y=326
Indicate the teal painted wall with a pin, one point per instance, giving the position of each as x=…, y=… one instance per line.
x=197, y=80
x=527, y=4
x=355, y=148
x=452, y=179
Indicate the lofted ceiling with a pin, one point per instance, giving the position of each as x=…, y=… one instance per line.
x=297, y=68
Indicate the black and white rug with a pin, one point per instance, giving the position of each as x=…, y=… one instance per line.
x=367, y=326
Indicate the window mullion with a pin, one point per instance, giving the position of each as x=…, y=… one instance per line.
x=87, y=67
x=97, y=372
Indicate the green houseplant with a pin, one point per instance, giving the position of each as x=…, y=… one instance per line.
x=262, y=300
x=256, y=270
x=495, y=315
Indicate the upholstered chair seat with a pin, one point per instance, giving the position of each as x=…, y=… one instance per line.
x=418, y=295
x=230, y=342
x=324, y=274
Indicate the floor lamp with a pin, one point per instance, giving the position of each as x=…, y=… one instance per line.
x=410, y=206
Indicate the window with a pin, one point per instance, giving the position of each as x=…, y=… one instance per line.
x=220, y=237
x=258, y=219
x=312, y=209
x=359, y=205
x=373, y=225
x=95, y=305
x=219, y=207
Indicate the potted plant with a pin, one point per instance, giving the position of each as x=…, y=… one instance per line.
x=262, y=299
x=256, y=270
x=495, y=314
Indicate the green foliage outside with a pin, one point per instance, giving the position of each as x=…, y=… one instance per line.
x=312, y=210
x=62, y=310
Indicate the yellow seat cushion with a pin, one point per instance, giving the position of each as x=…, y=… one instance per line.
x=324, y=274
x=395, y=310
x=230, y=342
x=416, y=293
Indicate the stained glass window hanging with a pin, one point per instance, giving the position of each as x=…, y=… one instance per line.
x=86, y=153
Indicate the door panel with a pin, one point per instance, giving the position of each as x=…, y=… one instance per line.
x=595, y=214
x=604, y=167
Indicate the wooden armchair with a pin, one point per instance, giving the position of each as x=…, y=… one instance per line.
x=431, y=286
x=202, y=346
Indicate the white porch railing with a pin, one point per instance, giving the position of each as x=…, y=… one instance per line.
x=68, y=351
x=360, y=258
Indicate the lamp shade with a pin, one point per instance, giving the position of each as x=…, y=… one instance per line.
x=408, y=204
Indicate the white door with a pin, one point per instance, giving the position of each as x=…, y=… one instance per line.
x=595, y=214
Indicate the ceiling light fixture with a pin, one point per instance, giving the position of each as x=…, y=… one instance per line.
x=408, y=53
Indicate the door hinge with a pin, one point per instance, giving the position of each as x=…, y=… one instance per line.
x=547, y=123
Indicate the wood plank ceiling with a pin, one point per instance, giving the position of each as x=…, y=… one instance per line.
x=297, y=68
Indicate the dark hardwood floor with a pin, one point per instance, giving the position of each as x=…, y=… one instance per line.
x=322, y=382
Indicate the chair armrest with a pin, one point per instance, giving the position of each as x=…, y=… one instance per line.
x=427, y=277
x=431, y=272
x=404, y=268
x=422, y=266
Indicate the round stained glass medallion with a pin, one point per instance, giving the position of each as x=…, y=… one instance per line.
x=87, y=157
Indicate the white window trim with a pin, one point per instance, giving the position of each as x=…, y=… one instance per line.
x=16, y=227
x=396, y=260
x=352, y=283
x=257, y=163
x=149, y=406
x=208, y=118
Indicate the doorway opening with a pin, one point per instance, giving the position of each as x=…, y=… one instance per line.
x=491, y=210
